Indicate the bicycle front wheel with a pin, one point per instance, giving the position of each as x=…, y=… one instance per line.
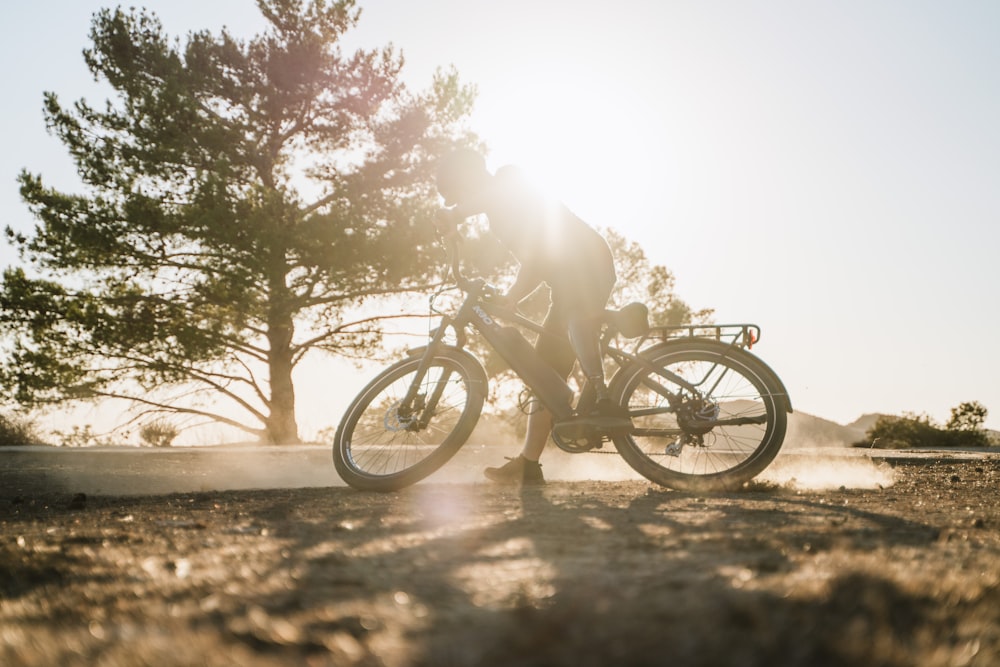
x=707, y=416
x=383, y=445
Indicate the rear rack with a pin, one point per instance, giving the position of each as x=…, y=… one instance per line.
x=741, y=335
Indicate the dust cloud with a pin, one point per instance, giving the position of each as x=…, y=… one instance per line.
x=812, y=471
x=825, y=471
x=141, y=471
x=557, y=466
x=801, y=469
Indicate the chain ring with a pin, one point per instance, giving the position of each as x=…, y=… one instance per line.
x=579, y=445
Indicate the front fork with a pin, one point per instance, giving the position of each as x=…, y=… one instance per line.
x=416, y=409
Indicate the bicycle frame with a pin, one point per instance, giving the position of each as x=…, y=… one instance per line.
x=477, y=311
x=485, y=318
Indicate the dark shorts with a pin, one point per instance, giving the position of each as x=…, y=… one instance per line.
x=583, y=296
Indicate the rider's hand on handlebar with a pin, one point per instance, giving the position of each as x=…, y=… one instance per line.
x=502, y=300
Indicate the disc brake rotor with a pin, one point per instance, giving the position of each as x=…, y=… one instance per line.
x=394, y=421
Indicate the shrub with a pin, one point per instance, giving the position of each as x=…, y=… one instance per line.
x=158, y=433
x=968, y=416
x=17, y=431
x=916, y=431
x=83, y=436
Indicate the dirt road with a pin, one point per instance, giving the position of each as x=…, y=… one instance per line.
x=897, y=564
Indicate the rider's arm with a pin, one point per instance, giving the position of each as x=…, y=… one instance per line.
x=527, y=281
x=448, y=219
x=470, y=205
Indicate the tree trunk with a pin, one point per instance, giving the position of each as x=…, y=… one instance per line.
x=282, y=428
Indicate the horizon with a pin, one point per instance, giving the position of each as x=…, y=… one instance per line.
x=825, y=171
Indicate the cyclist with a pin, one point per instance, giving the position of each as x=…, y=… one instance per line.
x=552, y=246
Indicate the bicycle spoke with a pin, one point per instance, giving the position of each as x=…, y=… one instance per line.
x=385, y=441
x=701, y=413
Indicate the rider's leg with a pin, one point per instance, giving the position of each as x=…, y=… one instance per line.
x=584, y=336
x=583, y=300
x=555, y=349
x=539, y=427
x=525, y=469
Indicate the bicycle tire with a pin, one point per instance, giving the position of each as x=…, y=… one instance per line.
x=374, y=451
x=741, y=387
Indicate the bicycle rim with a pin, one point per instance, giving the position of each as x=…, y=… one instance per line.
x=676, y=447
x=380, y=447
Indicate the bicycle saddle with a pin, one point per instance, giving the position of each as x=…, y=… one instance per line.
x=631, y=320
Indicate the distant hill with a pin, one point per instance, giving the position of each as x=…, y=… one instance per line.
x=805, y=430
x=865, y=422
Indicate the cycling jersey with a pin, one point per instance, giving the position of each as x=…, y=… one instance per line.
x=554, y=246
x=549, y=241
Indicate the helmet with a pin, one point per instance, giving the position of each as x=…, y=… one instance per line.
x=458, y=171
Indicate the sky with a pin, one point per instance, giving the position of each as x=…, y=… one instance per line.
x=828, y=170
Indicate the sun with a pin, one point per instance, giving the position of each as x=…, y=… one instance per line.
x=585, y=149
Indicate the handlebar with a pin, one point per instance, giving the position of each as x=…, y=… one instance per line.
x=472, y=285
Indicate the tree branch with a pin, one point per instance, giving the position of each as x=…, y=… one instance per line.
x=259, y=432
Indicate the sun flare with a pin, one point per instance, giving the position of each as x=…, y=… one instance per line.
x=577, y=140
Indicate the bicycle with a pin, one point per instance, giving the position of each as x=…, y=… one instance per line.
x=707, y=414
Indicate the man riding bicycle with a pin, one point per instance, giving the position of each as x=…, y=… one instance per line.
x=552, y=246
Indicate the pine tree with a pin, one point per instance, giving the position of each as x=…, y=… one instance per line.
x=241, y=198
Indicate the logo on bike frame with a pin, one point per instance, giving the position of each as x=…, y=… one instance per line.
x=483, y=316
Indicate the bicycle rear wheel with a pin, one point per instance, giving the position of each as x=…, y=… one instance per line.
x=723, y=424
x=382, y=445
